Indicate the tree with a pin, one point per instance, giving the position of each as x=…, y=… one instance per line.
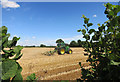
x=59, y=41
x=79, y=43
x=103, y=49
x=42, y=45
x=73, y=44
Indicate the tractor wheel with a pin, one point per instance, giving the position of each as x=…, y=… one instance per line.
x=69, y=51
x=61, y=51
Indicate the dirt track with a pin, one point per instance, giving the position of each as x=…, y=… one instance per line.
x=57, y=67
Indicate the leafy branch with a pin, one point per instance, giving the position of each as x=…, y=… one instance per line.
x=103, y=48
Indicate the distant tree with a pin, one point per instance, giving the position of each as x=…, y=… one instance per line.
x=83, y=42
x=73, y=44
x=42, y=45
x=33, y=46
x=59, y=41
x=79, y=43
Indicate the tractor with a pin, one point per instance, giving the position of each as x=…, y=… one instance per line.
x=63, y=48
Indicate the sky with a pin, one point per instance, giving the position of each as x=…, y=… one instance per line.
x=44, y=22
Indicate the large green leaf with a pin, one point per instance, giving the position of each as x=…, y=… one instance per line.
x=85, y=26
x=5, y=41
x=86, y=20
x=17, y=77
x=83, y=31
x=78, y=30
x=4, y=29
x=14, y=42
x=114, y=63
x=108, y=5
x=19, y=68
x=9, y=69
x=89, y=24
x=9, y=43
x=83, y=16
x=91, y=31
x=17, y=51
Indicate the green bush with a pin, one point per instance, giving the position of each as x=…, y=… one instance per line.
x=76, y=44
x=73, y=44
x=11, y=69
x=79, y=43
x=42, y=45
x=103, y=48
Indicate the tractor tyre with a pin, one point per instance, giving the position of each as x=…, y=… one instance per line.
x=61, y=51
x=69, y=51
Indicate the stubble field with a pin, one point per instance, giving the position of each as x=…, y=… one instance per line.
x=56, y=67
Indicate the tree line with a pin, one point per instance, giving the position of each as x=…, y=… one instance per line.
x=73, y=43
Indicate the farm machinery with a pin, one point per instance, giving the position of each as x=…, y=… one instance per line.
x=61, y=49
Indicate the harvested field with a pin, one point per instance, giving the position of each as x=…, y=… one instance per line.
x=56, y=67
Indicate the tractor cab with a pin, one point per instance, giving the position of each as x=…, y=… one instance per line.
x=61, y=45
x=63, y=48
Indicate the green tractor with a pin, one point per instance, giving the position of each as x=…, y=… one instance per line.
x=63, y=48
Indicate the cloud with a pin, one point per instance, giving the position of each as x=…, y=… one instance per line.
x=10, y=4
x=66, y=40
x=26, y=40
x=73, y=38
x=33, y=37
x=49, y=42
x=94, y=15
x=30, y=42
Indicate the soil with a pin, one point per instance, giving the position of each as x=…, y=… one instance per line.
x=56, y=67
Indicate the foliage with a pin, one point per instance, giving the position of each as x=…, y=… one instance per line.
x=79, y=43
x=11, y=69
x=32, y=78
x=42, y=45
x=73, y=44
x=59, y=41
x=76, y=44
x=30, y=46
x=103, y=47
